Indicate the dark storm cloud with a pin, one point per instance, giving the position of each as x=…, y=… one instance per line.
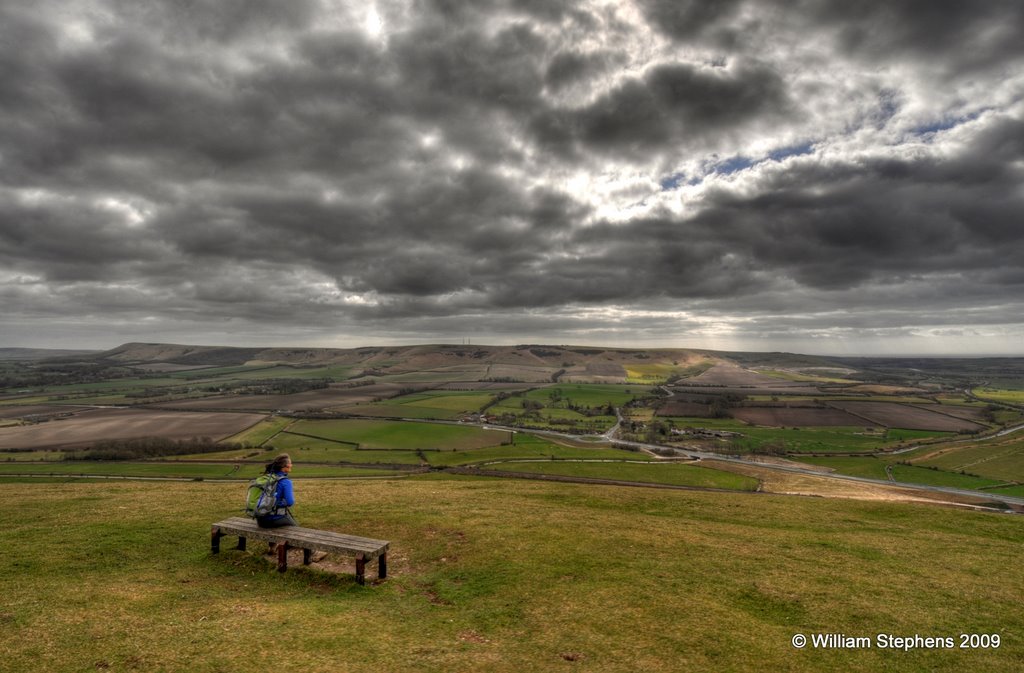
x=961, y=34
x=672, y=105
x=430, y=166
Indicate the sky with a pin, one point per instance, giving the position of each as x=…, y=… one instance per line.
x=810, y=176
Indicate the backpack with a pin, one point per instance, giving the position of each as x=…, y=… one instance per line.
x=261, y=498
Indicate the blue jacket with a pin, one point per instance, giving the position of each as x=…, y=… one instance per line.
x=285, y=496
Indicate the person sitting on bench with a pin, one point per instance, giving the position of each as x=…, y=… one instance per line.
x=284, y=495
x=284, y=499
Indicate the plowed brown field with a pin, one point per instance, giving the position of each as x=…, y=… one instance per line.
x=905, y=416
x=796, y=416
x=87, y=427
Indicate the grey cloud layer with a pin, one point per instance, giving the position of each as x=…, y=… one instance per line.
x=432, y=163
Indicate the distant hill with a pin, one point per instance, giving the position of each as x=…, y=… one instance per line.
x=417, y=357
x=539, y=362
x=41, y=353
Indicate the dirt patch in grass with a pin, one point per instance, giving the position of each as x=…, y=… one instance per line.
x=791, y=483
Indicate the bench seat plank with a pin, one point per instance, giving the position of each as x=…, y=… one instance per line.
x=308, y=539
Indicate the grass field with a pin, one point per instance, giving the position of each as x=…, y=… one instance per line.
x=530, y=446
x=558, y=398
x=34, y=456
x=1000, y=395
x=922, y=475
x=309, y=449
x=259, y=434
x=874, y=468
x=398, y=435
x=1017, y=491
x=179, y=470
x=663, y=473
x=437, y=404
x=997, y=458
x=656, y=373
x=810, y=439
x=592, y=395
x=868, y=467
x=505, y=576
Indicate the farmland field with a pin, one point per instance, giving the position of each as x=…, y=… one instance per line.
x=651, y=373
x=444, y=404
x=788, y=375
x=676, y=408
x=310, y=449
x=921, y=475
x=181, y=470
x=531, y=447
x=905, y=416
x=834, y=439
x=590, y=395
x=997, y=458
x=795, y=416
x=1000, y=395
x=868, y=467
x=731, y=376
x=89, y=426
x=326, y=398
x=261, y=432
x=397, y=435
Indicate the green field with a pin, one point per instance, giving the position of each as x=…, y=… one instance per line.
x=374, y=434
x=554, y=406
x=1017, y=491
x=868, y=467
x=999, y=458
x=808, y=439
x=923, y=475
x=436, y=404
x=874, y=468
x=310, y=449
x=658, y=372
x=178, y=470
x=262, y=432
x=34, y=456
x=591, y=395
x=1000, y=395
x=529, y=446
x=505, y=576
x=659, y=473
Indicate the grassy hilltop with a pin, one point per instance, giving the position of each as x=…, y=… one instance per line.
x=497, y=575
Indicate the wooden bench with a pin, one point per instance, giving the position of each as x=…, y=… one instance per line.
x=306, y=539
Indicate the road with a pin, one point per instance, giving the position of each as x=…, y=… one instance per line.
x=703, y=455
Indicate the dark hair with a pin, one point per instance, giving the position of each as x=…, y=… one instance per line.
x=278, y=463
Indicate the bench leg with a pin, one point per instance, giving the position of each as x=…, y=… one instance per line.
x=361, y=570
x=382, y=566
x=241, y=543
x=307, y=555
x=215, y=536
x=282, y=556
